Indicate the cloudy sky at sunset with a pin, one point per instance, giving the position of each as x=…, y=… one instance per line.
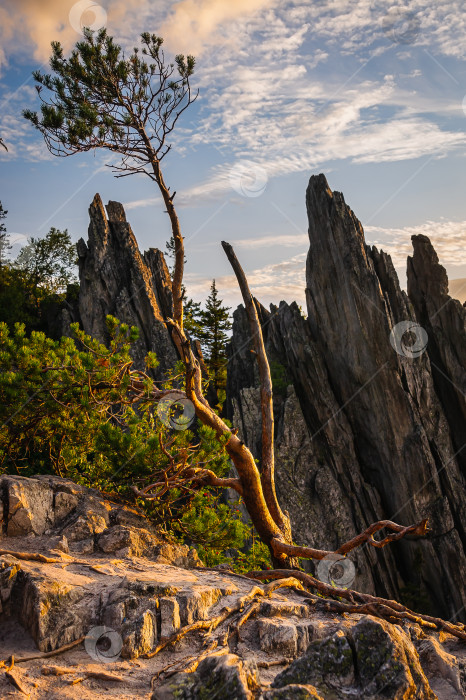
x=372, y=93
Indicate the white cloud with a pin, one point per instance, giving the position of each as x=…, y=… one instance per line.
x=285, y=280
x=285, y=241
x=271, y=284
x=447, y=237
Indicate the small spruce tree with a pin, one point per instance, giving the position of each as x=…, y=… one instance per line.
x=215, y=324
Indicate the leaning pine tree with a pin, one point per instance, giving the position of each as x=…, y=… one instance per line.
x=129, y=106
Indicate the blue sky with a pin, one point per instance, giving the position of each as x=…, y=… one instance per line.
x=373, y=94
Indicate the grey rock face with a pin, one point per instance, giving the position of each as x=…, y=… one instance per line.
x=362, y=431
x=373, y=660
x=78, y=518
x=216, y=677
x=116, y=279
x=444, y=319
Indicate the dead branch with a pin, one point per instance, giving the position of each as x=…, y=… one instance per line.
x=62, y=671
x=364, y=602
x=266, y=394
x=205, y=477
x=242, y=458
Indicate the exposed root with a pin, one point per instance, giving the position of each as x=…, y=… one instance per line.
x=56, y=670
x=212, y=624
x=15, y=682
x=62, y=671
x=193, y=666
x=48, y=654
x=30, y=556
x=364, y=603
x=276, y=662
x=251, y=611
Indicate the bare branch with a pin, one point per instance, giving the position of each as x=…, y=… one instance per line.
x=367, y=536
x=267, y=462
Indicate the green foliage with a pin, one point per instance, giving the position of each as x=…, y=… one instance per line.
x=98, y=98
x=48, y=263
x=213, y=333
x=42, y=274
x=192, y=317
x=67, y=407
x=280, y=379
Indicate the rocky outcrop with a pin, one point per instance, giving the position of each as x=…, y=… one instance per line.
x=444, y=319
x=362, y=431
x=121, y=601
x=116, y=279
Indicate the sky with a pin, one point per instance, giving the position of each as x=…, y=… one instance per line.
x=371, y=93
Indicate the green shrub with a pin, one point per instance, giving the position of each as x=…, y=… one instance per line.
x=67, y=407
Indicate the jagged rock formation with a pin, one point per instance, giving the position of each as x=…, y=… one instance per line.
x=74, y=564
x=363, y=431
x=116, y=279
x=444, y=319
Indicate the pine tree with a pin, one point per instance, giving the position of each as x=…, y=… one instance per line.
x=216, y=323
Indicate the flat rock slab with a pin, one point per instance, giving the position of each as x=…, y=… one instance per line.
x=93, y=570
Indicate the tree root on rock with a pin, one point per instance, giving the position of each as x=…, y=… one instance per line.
x=48, y=654
x=30, y=556
x=212, y=624
x=362, y=603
